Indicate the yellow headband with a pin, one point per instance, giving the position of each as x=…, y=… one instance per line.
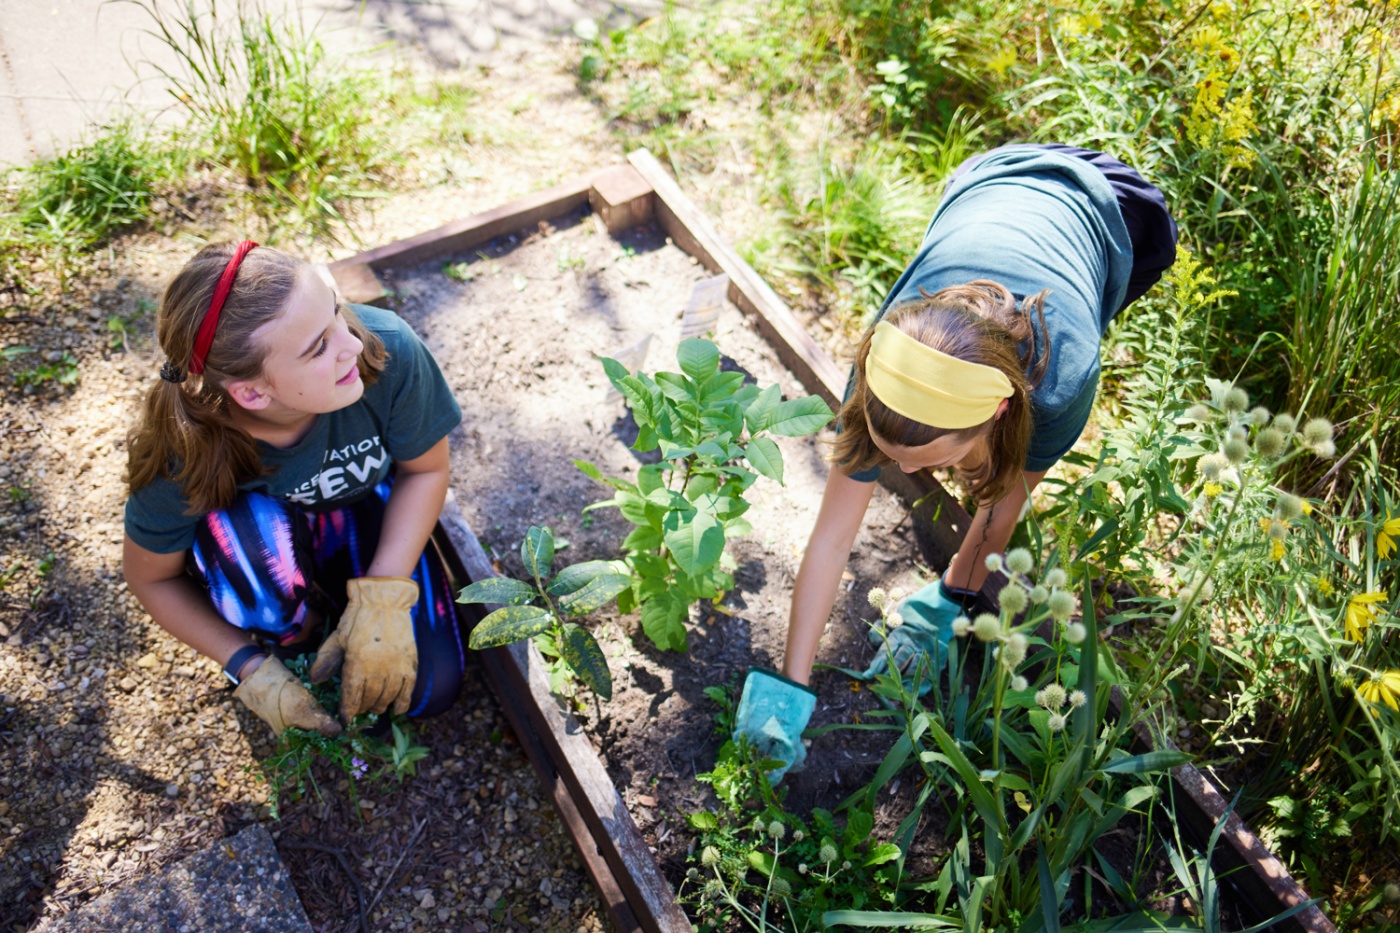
x=930, y=386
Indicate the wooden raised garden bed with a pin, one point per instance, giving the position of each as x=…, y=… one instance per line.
x=641, y=196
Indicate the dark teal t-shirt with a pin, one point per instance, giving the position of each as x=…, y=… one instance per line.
x=347, y=452
x=1032, y=219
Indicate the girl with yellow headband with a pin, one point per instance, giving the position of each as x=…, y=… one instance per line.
x=983, y=359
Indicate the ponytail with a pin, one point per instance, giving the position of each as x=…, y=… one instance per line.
x=981, y=323
x=186, y=432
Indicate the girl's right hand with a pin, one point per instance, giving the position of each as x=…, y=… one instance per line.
x=280, y=700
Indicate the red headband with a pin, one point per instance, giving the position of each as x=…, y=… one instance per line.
x=205, y=337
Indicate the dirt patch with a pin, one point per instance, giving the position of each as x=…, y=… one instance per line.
x=519, y=341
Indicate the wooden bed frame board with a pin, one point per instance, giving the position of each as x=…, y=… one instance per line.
x=617, y=858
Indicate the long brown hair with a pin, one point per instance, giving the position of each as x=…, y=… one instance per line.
x=186, y=432
x=981, y=323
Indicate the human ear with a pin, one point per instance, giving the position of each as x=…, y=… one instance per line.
x=248, y=395
x=1002, y=406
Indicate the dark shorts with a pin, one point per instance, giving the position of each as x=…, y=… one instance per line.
x=1150, y=225
x=265, y=563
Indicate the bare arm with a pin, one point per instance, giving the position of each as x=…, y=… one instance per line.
x=843, y=510
x=179, y=605
x=420, y=489
x=989, y=533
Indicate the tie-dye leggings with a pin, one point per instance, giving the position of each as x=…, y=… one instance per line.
x=265, y=562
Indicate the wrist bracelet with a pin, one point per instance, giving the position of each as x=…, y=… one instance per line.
x=241, y=657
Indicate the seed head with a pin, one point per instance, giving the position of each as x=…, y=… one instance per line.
x=709, y=856
x=1237, y=432
x=1056, y=577
x=1285, y=423
x=1019, y=560
x=1018, y=683
x=1076, y=699
x=1316, y=431
x=1391, y=893
x=1289, y=506
x=828, y=852
x=1051, y=696
x=1325, y=449
x=1075, y=633
x=1278, y=531
x=1039, y=594
x=777, y=830
x=691, y=873
x=1199, y=413
x=781, y=888
x=1014, y=651
x=961, y=626
x=1236, y=400
x=893, y=619
x=1259, y=416
x=802, y=868
x=897, y=594
x=798, y=836
x=1056, y=723
x=1235, y=450
x=876, y=597
x=714, y=889
x=1270, y=442
x=994, y=563
x=986, y=627
x=845, y=866
x=1061, y=605
x=1212, y=465
x=1014, y=598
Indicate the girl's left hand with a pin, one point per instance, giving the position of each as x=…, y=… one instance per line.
x=375, y=641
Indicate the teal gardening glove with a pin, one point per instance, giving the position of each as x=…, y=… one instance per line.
x=928, y=628
x=772, y=713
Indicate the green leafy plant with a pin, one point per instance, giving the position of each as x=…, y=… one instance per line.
x=362, y=758
x=61, y=367
x=712, y=431
x=573, y=592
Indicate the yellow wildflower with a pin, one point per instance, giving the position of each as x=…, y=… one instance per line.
x=1384, y=686
x=1213, y=489
x=1325, y=587
x=1385, y=538
x=1360, y=614
x=1276, y=550
x=1307, y=507
x=1002, y=60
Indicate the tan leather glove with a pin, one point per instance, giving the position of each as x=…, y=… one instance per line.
x=280, y=700
x=375, y=641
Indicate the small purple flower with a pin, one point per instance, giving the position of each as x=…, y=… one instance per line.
x=358, y=768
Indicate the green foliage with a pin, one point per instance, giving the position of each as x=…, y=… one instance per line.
x=711, y=430
x=363, y=759
x=575, y=591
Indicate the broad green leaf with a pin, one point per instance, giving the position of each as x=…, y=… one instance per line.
x=663, y=619
x=888, y=919
x=616, y=372
x=766, y=458
x=649, y=478
x=884, y=852
x=589, y=470
x=502, y=590
x=799, y=416
x=699, y=359
x=595, y=594
x=584, y=656
x=1161, y=760
x=737, y=528
x=668, y=499
x=574, y=576
x=644, y=538
x=761, y=408
x=720, y=386
x=513, y=623
x=537, y=552
x=704, y=821
x=677, y=387
x=696, y=541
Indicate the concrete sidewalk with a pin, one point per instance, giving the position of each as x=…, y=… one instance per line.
x=66, y=65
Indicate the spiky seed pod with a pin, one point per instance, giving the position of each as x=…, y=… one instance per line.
x=1391, y=893
x=1077, y=699
x=1051, y=696
x=1199, y=413
x=894, y=619
x=1056, y=577
x=1285, y=422
x=798, y=836
x=1237, y=432
x=1013, y=598
x=1019, y=560
x=961, y=626
x=1316, y=431
x=1056, y=722
x=709, y=856
x=781, y=888
x=1039, y=594
x=777, y=830
x=1270, y=442
x=802, y=868
x=1019, y=683
x=1212, y=465
x=986, y=627
x=1075, y=633
x=994, y=563
x=1325, y=449
x=1277, y=530
x=714, y=889
x=828, y=852
x=1013, y=652
x=1259, y=416
x=1061, y=604
x=1235, y=450
x=691, y=873
x=845, y=866
x=1236, y=400
x=897, y=594
x=1289, y=506
x=876, y=597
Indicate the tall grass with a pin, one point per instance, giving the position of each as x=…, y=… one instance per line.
x=266, y=101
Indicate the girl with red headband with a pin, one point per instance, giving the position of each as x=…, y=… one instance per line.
x=288, y=468
x=983, y=359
